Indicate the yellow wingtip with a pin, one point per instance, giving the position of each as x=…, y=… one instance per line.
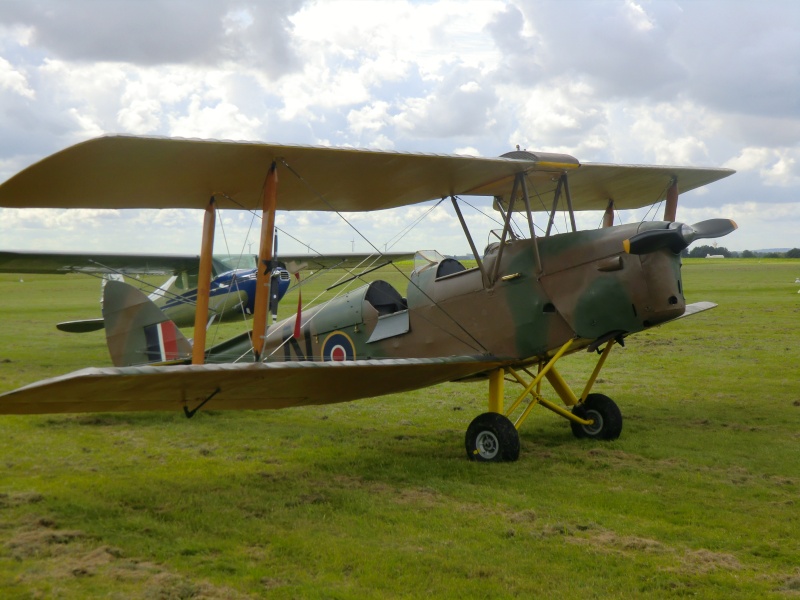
x=626, y=244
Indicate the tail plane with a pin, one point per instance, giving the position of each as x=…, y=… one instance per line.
x=137, y=331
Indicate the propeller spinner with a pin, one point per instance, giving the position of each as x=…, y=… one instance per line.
x=677, y=236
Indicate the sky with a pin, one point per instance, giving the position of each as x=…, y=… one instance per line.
x=677, y=82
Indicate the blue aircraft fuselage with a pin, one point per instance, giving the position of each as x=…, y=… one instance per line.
x=232, y=296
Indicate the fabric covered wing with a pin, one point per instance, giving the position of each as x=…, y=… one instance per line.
x=94, y=262
x=145, y=172
x=237, y=386
x=633, y=186
x=629, y=186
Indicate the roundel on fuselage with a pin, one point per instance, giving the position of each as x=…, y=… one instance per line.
x=338, y=347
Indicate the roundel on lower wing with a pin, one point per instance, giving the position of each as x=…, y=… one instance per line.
x=338, y=347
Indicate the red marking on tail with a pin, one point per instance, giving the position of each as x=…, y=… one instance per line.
x=299, y=318
x=169, y=340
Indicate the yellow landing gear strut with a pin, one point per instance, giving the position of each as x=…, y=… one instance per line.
x=493, y=436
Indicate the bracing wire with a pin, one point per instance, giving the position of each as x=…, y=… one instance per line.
x=234, y=282
x=392, y=242
x=656, y=206
x=141, y=284
x=360, y=234
x=547, y=211
x=255, y=216
x=343, y=290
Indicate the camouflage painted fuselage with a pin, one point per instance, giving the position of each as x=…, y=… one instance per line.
x=588, y=289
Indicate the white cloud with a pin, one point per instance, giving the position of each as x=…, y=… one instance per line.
x=563, y=117
x=140, y=116
x=638, y=17
x=750, y=159
x=427, y=35
x=219, y=120
x=629, y=81
x=776, y=166
x=87, y=124
x=14, y=80
x=467, y=151
x=372, y=117
x=305, y=95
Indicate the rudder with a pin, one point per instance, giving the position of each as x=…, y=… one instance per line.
x=137, y=332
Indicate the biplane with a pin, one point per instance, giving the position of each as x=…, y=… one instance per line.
x=231, y=290
x=530, y=300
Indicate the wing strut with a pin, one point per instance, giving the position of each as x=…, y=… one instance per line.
x=569, y=204
x=556, y=197
x=265, y=267
x=519, y=185
x=469, y=239
x=671, y=206
x=506, y=229
x=536, y=255
x=204, y=284
x=608, y=216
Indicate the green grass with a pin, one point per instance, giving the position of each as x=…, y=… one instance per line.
x=375, y=499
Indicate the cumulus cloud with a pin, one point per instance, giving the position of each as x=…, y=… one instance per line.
x=204, y=32
x=457, y=106
x=14, y=81
x=521, y=55
x=220, y=120
x=776, y=166
x=561, y=118
x=372, y=117
x=620, y=81
x=619, y=47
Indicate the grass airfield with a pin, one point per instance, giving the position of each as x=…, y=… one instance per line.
x=375, y=499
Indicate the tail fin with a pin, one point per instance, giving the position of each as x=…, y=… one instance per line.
x=137, y=332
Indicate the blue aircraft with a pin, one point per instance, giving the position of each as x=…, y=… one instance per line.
x=233, y=283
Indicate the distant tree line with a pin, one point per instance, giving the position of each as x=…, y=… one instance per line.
x=703, y=251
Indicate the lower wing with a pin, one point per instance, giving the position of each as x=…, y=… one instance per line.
x=234, y=386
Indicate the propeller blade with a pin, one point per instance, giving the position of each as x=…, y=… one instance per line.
x=677, y=236
x=713, y=228
x=656, y=239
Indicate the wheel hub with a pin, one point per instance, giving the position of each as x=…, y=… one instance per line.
x=487, y=445
x=595, y=427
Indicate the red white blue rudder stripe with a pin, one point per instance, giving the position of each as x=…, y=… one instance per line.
x=162, y=342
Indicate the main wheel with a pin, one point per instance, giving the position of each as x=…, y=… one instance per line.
x=492, y=437
x=605, y=414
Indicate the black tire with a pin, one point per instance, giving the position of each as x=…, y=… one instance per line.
x=606, y=415
x=491, y=437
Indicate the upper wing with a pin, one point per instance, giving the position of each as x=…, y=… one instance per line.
x=86, y=262
x=146, y=172
x=629, y=186
x=142, y=172
x=347, y=260
x=233, y=386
